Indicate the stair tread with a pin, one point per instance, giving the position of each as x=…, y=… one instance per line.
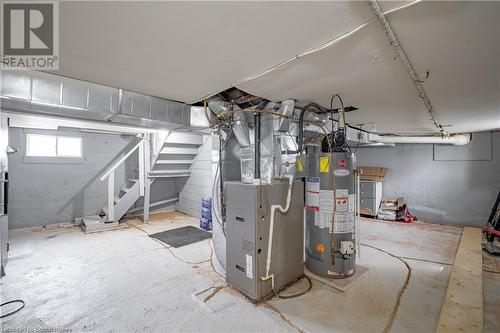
x=179, y=151
x=185, y=138
x=169, y=171
x=100, y=226
x=92, y=218
x=125, y=188
x=92, y=222
x=169, y=175
x=174, y=161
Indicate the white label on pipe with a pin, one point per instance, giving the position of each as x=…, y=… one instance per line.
x=312, y=193
x=341, y=192
x=344, y=223
x=326, y=201
x=341, y=204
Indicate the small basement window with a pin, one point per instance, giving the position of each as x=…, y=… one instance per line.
x=42, y=145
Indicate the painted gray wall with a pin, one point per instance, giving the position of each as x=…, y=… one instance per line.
x=452, y=192
x=41, y=194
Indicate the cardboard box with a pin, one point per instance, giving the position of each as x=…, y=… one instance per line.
x=392, y=203
x=366, y=211
x=372, y=173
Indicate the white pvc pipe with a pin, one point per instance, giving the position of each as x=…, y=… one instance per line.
x=456, y=139
x=271, y=229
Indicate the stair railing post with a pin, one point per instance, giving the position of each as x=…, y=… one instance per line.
x=141, y=168
x=111, y=197
x=147, y=193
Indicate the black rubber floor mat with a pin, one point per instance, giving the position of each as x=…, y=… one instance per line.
x=182, y=236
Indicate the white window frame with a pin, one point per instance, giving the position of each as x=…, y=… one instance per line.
x=53, y=158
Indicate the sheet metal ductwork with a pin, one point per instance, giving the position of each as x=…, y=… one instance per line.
x=241, y=130
x=43, y=93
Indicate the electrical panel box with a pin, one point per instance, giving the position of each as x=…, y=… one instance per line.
x=248, y=213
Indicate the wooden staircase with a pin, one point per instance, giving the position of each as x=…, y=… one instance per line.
x=172, y=160
x=176, y=155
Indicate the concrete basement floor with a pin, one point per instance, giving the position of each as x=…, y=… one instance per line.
x=124, y=281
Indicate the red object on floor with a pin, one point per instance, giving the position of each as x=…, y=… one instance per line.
x=409, y=218
x=403, y=215
x=491, y=231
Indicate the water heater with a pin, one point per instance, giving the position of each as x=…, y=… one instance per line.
x=330, y=213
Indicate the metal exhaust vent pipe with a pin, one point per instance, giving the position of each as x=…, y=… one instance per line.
x=241, y=130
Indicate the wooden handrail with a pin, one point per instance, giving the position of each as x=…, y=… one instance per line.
x=117, y=164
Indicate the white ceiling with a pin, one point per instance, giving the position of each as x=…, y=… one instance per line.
x=186, y=51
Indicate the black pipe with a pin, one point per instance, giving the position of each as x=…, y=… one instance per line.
x=301, y=126
x=257, y=134
x=316, y=106
x=221, y=179
x=6, y=193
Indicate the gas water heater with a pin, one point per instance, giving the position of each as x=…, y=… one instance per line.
x=330, y=213
x=330, y=201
